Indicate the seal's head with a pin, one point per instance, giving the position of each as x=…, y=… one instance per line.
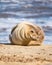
x=34, y=33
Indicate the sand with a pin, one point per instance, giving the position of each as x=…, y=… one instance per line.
x=25, y=55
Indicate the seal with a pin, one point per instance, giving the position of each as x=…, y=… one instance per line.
x=26, y=32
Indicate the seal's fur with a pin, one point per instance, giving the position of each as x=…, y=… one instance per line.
x=25, y=32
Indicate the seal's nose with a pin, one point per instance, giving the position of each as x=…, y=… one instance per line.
x=38, y=36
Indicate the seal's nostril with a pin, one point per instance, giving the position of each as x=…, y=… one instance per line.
x=38, y=37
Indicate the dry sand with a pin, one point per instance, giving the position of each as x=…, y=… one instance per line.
x=25, y=55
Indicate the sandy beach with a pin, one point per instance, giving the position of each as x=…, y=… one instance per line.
x=38, y=12
x=25, y=55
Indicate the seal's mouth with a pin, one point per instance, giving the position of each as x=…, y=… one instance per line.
x=33, y=38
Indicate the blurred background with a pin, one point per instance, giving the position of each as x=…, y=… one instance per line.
x=36, y=11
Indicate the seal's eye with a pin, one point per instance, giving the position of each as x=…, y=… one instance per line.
x=32, y=31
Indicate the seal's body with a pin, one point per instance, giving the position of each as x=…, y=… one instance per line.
x=25, y=32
